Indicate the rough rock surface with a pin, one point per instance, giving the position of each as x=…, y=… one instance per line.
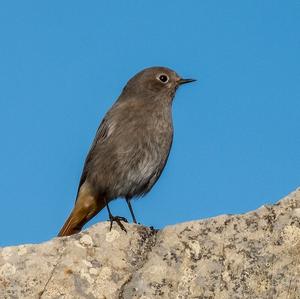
x=255, y=255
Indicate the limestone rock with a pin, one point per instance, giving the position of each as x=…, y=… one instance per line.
x=255, y=255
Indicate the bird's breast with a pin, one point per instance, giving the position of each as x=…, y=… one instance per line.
x=145, y=151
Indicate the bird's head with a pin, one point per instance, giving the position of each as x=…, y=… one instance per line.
x=155, y=81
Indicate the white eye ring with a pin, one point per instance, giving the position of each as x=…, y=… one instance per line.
x=163, y=78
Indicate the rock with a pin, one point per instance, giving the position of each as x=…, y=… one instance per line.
x=255, y=255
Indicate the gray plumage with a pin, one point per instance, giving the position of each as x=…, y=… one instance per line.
x=131, y=146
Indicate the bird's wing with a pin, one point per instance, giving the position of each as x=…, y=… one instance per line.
x=101, y=135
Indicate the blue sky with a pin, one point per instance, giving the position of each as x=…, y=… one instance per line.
x=63, y=63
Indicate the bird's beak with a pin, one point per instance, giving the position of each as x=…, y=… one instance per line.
x=184, y=81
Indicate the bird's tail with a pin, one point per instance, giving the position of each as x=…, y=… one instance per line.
x=86, y=207
x=70, y=228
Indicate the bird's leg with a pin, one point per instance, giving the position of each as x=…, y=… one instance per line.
x=118, y=219
x=131, y=210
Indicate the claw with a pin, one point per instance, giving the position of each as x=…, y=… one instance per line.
x=118, y=219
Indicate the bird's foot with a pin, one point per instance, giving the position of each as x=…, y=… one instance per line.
x=118, y=219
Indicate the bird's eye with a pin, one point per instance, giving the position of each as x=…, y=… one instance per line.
x=163, y=78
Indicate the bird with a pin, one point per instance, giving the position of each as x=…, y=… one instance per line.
x=130, y=148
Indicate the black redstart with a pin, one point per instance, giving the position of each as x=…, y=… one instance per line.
x=130, y=149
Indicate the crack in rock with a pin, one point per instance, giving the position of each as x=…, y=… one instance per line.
x=53, y=270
